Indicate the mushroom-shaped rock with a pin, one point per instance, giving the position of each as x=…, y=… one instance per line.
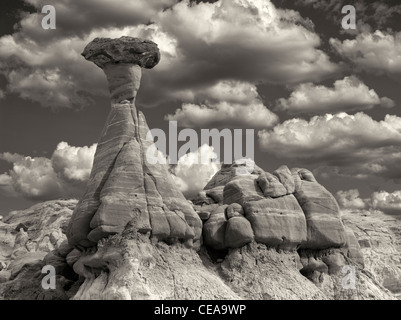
x=121, y=60
x=125, y=187
x=103, y=51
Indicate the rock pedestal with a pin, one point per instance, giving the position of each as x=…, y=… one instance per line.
x=124, y=187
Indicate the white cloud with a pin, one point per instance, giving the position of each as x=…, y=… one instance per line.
x=353, y=145
x=228, y=103
x=190, y=174
x=378, y=52
x=200, y=44
x=350, y=199
x=79, y=18
x=32, y=178
x=54, y=73
x=348, y=94
x=389, y=203
x=73, y=163
x=261, y=41
x=64, y=175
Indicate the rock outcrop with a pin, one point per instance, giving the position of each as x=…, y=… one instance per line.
x=31, y=239
x=324, y=226
x=124, y=185
x=132, y=235
x=130, y=266
x=287, y=210
x=378, y=237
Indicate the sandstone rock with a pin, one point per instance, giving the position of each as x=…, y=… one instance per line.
x=21, y=238
x=334, y=261
x=324, y=225
x=216, y=194
x=214, y=229
x=304, y=174
x=73, y=257
x=202, y=199
x=242, y=189
x=278, y=223
x=381, y=235
x=103, y=51
x=312, y=264
x=41, y=221
x=55, y=261
x=4, y=276
x=64, y=249
x=134, y=269
x=25, y=262
x=271, y=186
x=226, y=174
x=284, y=175
x=353, y=248
x=44, y=244
x=129, y=266
x=238, y=232
x=234, y=210
x=222, y=177
x=205, y=210
x=7, y=236
x=125, y=183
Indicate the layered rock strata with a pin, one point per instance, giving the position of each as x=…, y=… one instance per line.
x=124, y=185
x=287, y=210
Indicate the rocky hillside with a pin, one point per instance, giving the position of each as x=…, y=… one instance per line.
x=131, y=266
x=249, y=234
x=379, y=237
x=30, y=239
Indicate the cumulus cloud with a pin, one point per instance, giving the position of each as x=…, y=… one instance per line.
x=200, y=43
x=39, y=178
x=378, y=52
x=249, y=41
x=228, y=103
x=81, y=17
x=53, y=73
x=349, y=94
x=2, y=94
x=355, y=145
x=350, y=199
x=73, y=163
x=387, y=202
x=191, y=174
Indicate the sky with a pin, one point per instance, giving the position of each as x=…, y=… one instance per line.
x=318, y=96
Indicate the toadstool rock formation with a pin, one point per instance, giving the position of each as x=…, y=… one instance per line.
x=124, y=186
x=281, y=235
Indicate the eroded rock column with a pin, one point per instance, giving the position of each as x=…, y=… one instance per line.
x=124, y=187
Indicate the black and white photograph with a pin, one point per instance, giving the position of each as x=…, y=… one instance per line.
x=190, y=150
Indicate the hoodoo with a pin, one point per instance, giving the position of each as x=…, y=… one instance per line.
x=123, y=186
